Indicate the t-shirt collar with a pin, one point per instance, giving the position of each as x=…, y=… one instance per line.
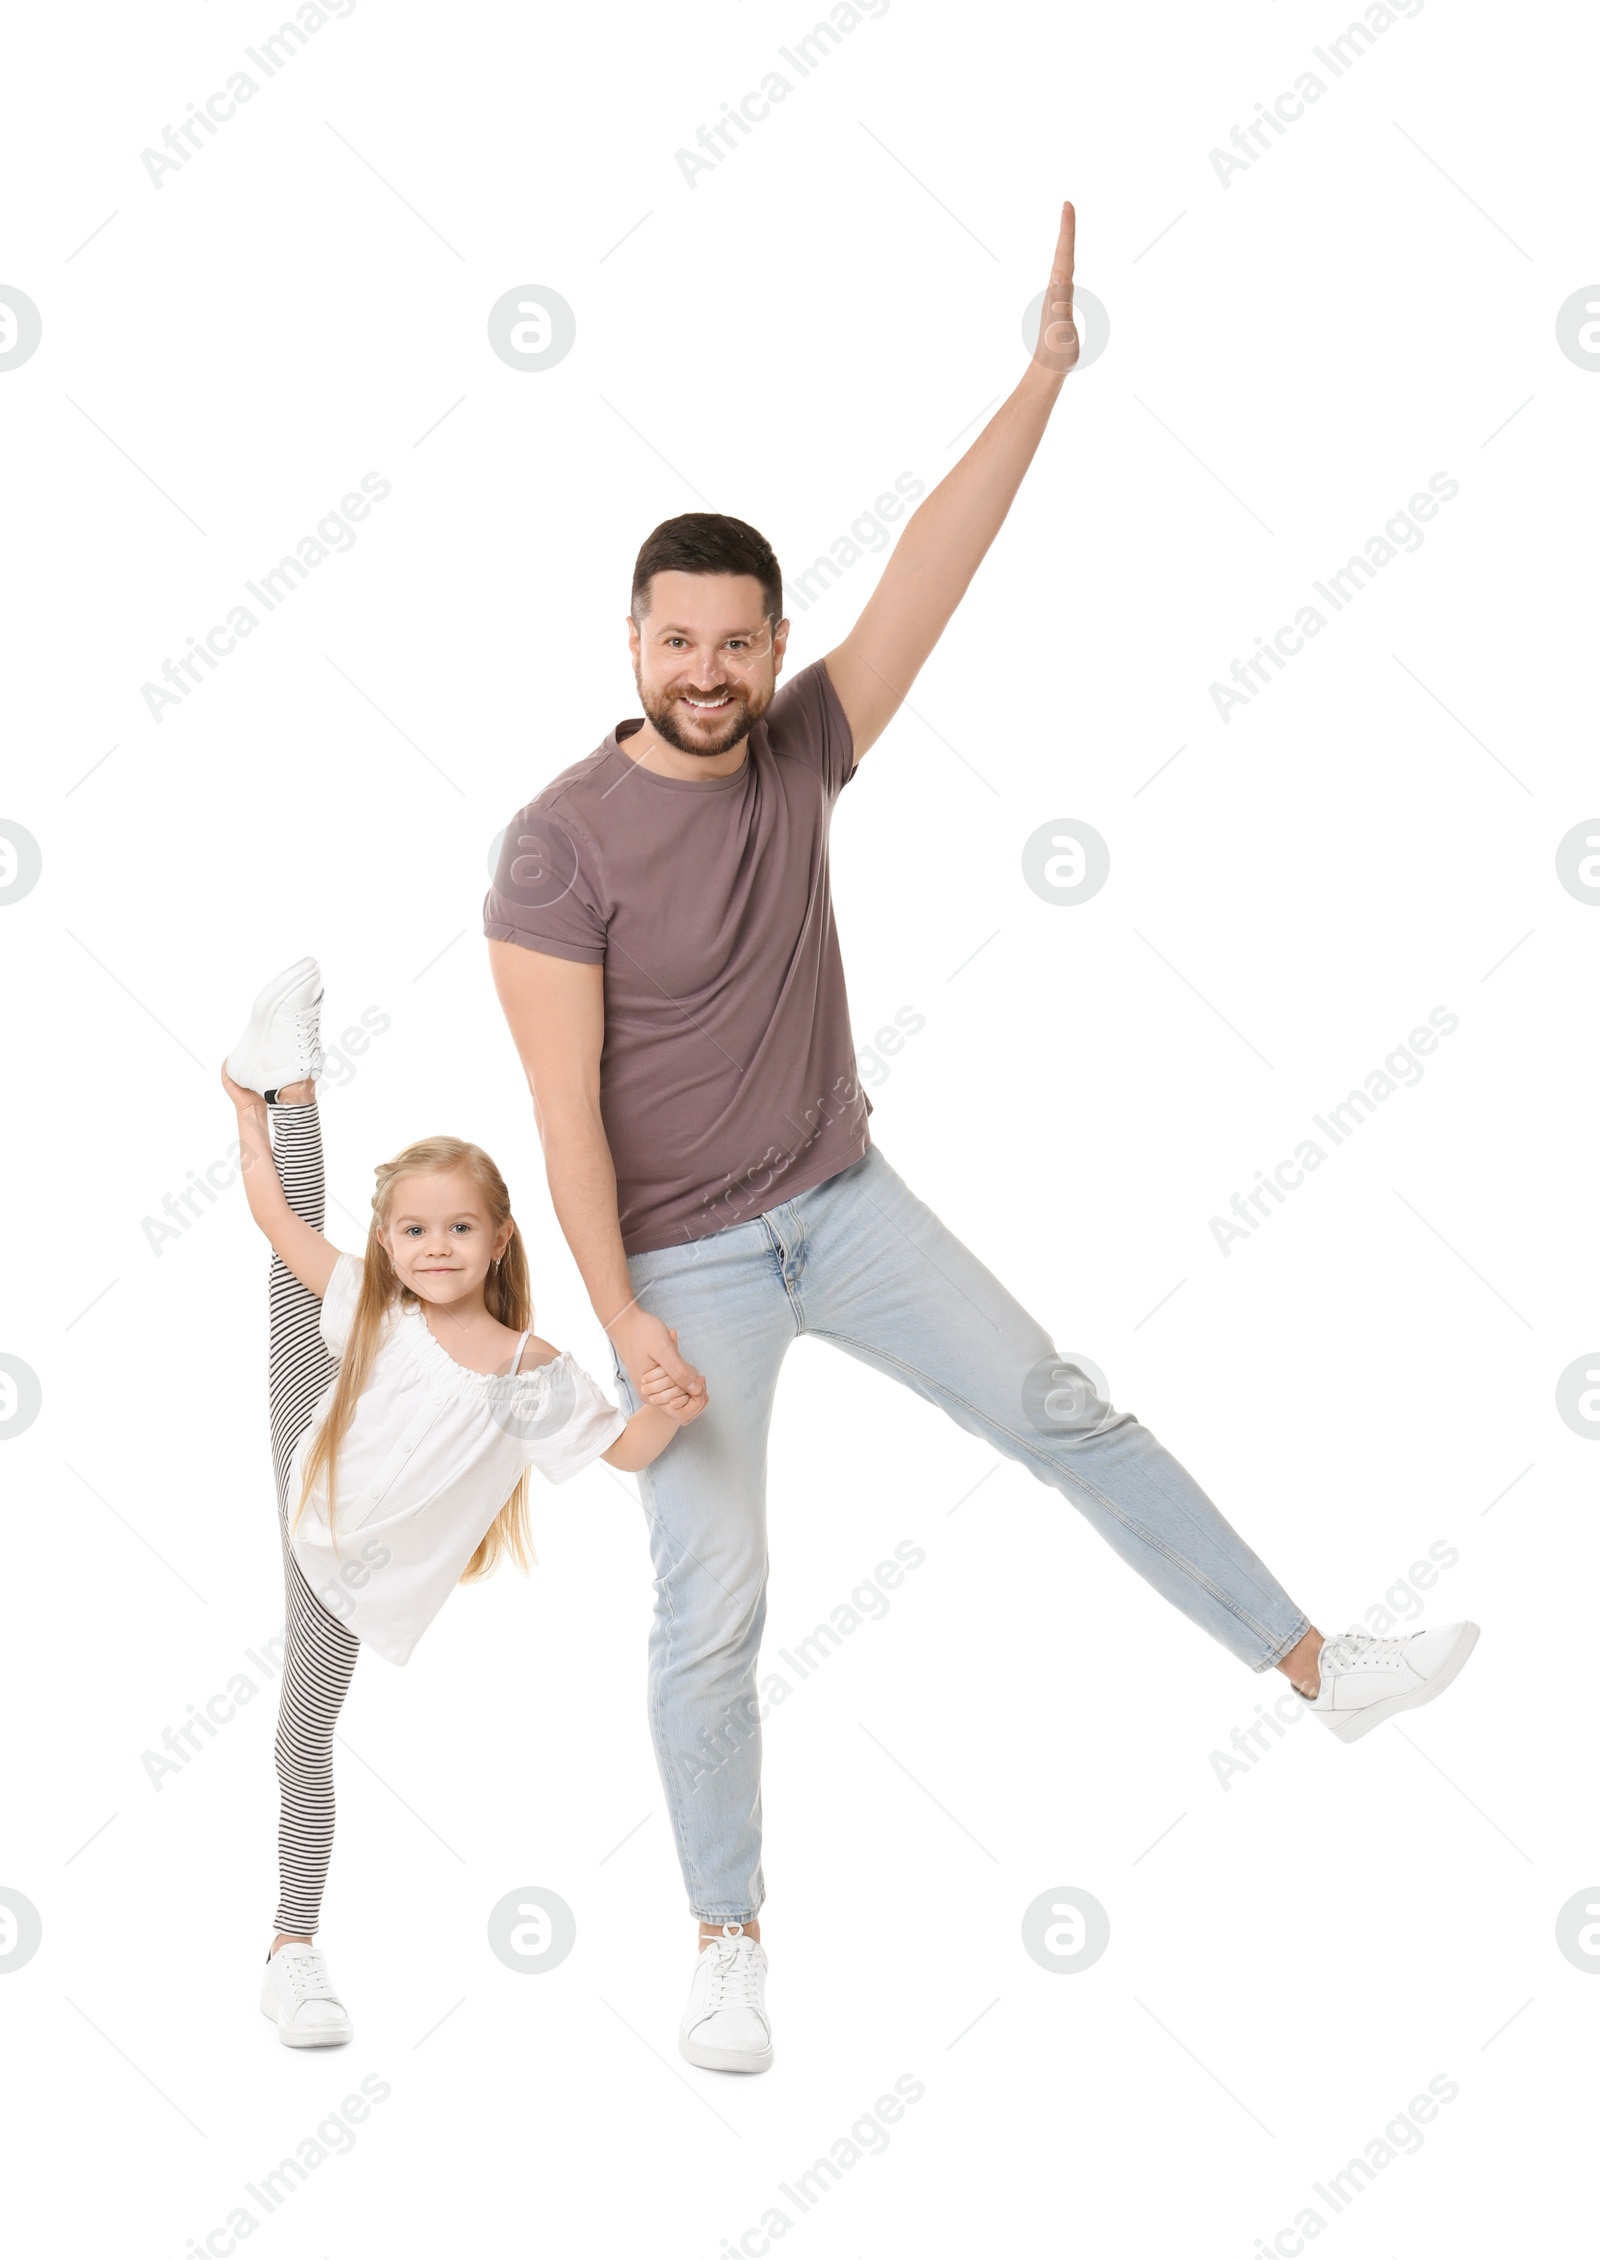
x=632, y=723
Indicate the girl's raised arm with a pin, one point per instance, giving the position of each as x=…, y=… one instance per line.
x=303, y=1249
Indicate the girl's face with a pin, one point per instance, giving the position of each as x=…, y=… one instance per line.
x=440, y=1237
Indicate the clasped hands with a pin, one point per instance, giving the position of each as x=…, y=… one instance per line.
x=659, y=1390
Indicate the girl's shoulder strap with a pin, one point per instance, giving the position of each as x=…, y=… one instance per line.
x=521, y=1346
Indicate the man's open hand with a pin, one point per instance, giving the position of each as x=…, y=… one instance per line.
x=1057, y=349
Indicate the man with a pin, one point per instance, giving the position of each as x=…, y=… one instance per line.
x=662, y=941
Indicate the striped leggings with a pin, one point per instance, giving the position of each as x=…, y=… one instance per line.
x=319, y=1654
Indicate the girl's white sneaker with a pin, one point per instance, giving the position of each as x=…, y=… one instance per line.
x=1363, y=1680
x=283, y=1043
x=297, y=1994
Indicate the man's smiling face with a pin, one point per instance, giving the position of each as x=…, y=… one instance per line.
x=705, y=658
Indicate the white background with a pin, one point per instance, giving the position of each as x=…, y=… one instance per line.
x=1293, y=1956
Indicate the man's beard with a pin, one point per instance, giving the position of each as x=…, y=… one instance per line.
x=734, y=721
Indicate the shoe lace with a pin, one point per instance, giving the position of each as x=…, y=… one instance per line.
x=735, y=1975
x=305, y=1033
x=307, y=1973
x=1348, y=1649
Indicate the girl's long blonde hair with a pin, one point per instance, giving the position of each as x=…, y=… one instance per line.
x=506, y=1294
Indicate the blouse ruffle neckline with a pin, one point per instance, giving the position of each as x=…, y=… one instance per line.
x=461, y=1378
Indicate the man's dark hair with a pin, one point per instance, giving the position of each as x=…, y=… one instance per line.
x=702, y=541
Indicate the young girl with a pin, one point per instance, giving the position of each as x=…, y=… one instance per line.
x=406, y=1412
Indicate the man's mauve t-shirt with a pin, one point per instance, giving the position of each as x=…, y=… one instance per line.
x=728, y=1078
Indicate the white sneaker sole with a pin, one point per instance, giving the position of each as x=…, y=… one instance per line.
x=723, y=2059
x=307, y=2036
x=244, y=1062
x=1357, y=1723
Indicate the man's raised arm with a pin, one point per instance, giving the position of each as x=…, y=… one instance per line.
x=945, y=539
x=555, y=1009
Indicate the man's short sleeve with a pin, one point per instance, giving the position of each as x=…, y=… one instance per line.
x=806, y=722
x=545, y=894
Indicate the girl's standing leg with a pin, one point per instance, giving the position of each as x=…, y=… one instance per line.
x=319, y=1655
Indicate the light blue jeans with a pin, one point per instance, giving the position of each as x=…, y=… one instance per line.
x=860, y=1262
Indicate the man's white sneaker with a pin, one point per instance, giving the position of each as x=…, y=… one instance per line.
x=725, y=2026
x=283, y=1042
x=1365, y=1681
x=297, y=1995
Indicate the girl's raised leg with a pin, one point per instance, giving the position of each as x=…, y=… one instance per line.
x=320, y=1654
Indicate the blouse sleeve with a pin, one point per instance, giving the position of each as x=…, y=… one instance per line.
x=577, y=1422
x=339, y=1302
